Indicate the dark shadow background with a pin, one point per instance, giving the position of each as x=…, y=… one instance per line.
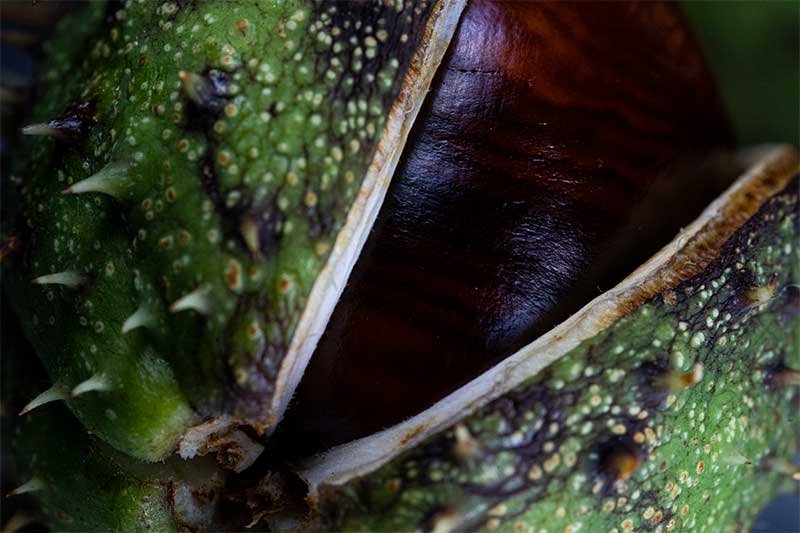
x=754, y=50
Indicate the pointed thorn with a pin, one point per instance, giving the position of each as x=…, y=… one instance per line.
x=737, y=459
x=53, y=394
x=466, y=447
x=109, y=180
x=249, y=231
x=444, y=520
x=68, y=127
x=142, y=317
x=98, y=382
x=42, y=129
x=68, y=278
x=30, y=486
x=197, y=300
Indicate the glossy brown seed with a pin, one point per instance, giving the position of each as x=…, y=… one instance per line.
x=533, y=180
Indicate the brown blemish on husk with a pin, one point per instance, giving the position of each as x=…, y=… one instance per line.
x=222, y=436
x=414, y=433
x=760, y=295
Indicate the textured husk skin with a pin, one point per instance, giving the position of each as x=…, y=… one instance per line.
x=89, y=485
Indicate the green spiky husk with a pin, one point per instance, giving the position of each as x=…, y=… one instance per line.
x=233, y=188
x=88, y=485
x=535, y=458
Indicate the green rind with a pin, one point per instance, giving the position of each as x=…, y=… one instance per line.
x=83, y=484
x=87, y=485
x=65, y=478
x=307, y=88
x=76, y=332
x=542, y=457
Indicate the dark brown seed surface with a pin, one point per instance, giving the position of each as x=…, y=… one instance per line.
x=535, y=178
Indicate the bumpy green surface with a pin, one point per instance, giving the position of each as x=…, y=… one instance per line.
x=229, y=182
x=553, y=454
x=86, y=485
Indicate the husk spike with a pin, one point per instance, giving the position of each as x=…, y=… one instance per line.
x=53, y=394
x=41, y=129
x=197, y=300
x=32, y=485
x=141, y=317
x=108, y=181
x=98, y=382
x=68, y=278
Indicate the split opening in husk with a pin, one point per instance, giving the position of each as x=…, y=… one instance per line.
x=280, y=490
